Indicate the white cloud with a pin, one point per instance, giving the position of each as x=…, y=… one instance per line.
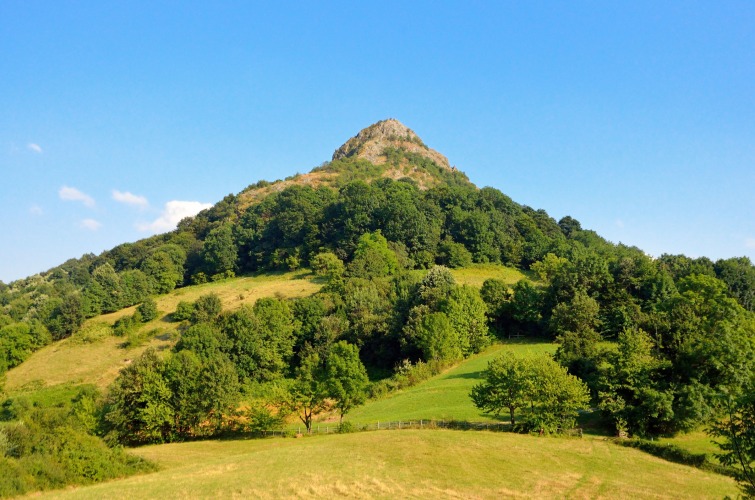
x=172, y=214
x=36, y=210
x=90, y=224
x=34, y=147
x=619, y=223
x=72, y=194
x=750, y=242
x=130, y=199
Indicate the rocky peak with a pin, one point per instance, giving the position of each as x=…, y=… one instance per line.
x=370, y=143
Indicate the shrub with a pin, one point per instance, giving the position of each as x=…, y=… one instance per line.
x=183, y=311
x=148, y=310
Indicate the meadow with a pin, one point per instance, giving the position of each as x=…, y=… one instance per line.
x=409, y=464
x=445, y=396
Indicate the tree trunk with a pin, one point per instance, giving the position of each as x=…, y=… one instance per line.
x=511, y=412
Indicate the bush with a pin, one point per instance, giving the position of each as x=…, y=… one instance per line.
x=183, y=311
x=346, y=428
x=148, y=310
x=454, y=254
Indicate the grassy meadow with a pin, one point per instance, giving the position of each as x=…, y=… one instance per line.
x=409, y=464
x=445, y=396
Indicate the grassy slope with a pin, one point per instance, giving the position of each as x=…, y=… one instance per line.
x=445, y=396
x=93, y=356
x=410, y=464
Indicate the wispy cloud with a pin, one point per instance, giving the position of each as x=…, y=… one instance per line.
x=90, y=224
x=172, y=214
x=36, y=210
x=34, y=147
x=750, y=242
x=72, y=194
x=619, y=223
x=130, y=199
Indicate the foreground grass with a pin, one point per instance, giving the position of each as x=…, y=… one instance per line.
x=94, y=356
x=445, y=396
x=409, y=464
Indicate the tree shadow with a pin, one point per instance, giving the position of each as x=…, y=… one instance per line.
x=470, y=375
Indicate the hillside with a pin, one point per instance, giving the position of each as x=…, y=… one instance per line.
x=409, y=464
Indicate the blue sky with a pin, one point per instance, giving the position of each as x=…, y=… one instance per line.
x=636, y=118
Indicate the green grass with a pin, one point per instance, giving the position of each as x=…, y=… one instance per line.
x=476, y=274
x=409, y=464
x=695, y=442
x=445, y=396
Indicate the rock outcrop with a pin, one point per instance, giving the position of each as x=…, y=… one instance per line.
x=371, y=143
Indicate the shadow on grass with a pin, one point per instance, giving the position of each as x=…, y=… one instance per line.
x=478, y=375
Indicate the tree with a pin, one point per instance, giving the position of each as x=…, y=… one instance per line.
x=373, y=257
x=261, y=339
x=432, y=334
x=107, y=287
x=345, y=377
x=557, y=396
x=328, y=265
x=506, y=386
x=436, y=286
x=207, y=308
x=737, y=429
x=164, y=267
x=138, y=407
x=551, y=393
x=466, y=311
x=308, y=394
x=219, y=251
x=454, y=254
x=631, y=388
x=67, y=317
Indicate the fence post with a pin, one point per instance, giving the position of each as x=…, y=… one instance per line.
x=378, y=424
x=399, y=424
x=420, y=423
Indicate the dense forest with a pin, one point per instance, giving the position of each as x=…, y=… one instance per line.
x=661, y=345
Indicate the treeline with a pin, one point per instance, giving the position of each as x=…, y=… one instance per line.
x=305, y=355
x=681, y=334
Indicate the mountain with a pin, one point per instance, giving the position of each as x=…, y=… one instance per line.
x=372, y=142
x=386, y=149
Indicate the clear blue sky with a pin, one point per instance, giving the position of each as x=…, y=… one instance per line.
x=636, y=118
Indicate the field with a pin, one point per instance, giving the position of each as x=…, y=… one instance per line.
x=409, y=464
x=445, y=396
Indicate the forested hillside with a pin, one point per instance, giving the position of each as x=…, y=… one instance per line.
x=380, y=225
